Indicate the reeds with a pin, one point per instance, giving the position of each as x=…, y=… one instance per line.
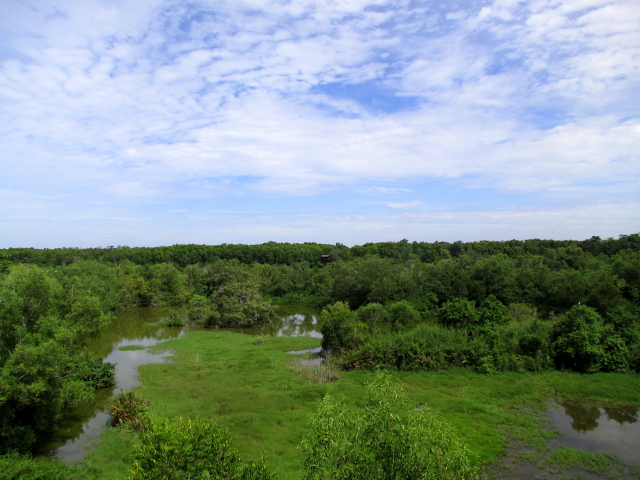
x=316, y=367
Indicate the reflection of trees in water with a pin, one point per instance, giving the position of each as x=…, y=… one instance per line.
x=622, y=414
x=294, y=325
x=585, y=417
x=132, y=324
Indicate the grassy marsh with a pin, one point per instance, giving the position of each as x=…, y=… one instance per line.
x=254, y=390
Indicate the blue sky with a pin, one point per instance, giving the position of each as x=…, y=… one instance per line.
x=162, y=122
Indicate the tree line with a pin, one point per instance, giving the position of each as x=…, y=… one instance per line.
x=491, y=306
x=290, y=253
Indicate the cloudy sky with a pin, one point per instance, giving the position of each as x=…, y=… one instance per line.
x=155, y=122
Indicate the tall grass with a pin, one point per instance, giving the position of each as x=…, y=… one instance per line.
x=316, y=368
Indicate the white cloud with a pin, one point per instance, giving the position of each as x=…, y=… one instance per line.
x=130, y=101
x=412, y=204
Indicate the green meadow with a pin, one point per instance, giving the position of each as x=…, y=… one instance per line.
x=251, y=387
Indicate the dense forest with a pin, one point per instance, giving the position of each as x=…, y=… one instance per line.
x=491, y=306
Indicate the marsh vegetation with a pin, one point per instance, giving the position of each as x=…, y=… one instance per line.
x=484, y=334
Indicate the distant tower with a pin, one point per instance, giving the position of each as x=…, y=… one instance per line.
x=325, y=259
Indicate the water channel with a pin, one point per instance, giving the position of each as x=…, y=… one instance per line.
x=604, y=429
x=82, y=423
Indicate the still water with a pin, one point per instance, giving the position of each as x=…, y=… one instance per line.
x=603, y=429
x=290, y=321
x=82, y=423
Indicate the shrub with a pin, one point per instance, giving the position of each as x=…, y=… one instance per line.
x=492, y=312
x=373, y=314
x=341, y=328
x=237, y=305
x=99, y=374
x=403, y=315
x=198, y=308
x=521, y=312
x=129, y=410
x=379, y=442
x=583, y=344
x=191, y=449
x=459, y=313
x=14, y=466
x=174, y=319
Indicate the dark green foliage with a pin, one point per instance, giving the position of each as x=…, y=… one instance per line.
x=99, y=374
x=130, y=411
x=509, y=347
x=459, y=313
x=44, y=365
x=341, y=328
x=626, y=323
x=4, y=262
x=198, y=308
x=287, y=253
x=381, y=442
x=403, y=315
x=173, y=319
x=535, y=342
x=14, y=466
x=237, y=305
x=492, y=312
x=584, y=344
x=191, y=449
x=373, y=314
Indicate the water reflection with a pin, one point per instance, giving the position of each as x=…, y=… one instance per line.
x=82, y=423
x=607, y=429
x=289, y=321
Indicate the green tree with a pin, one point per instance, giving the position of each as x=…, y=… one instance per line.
x=373, y=314
x=584, y=344
x=44, y=364
x=459, y=313
x=341, y=328
x=403, y=315
x=380, y=442
x=238, y=305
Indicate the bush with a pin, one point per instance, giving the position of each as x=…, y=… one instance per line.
x=129, y=410
x=341, y=328
x=198, y=308
x=521, y=312
x=492, y=312
x=379, y=442
x=24, y=467
x=403, y=315
x=191, y=449
x=459, y=313
x=373, y=314
x=174, y=319
x=238, y=305
x=583, y=344
x=99, y=374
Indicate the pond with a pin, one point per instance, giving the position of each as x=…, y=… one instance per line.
x=599, y=429
x=290, y=321
x=82, y=423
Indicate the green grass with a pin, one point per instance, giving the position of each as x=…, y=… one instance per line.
x=110, y=459
x=254, y=391
x=131, y=347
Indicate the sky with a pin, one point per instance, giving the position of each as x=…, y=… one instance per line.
x=153, y=122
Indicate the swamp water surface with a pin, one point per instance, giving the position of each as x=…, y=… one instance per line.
x=82, y=423
x=604, y=429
